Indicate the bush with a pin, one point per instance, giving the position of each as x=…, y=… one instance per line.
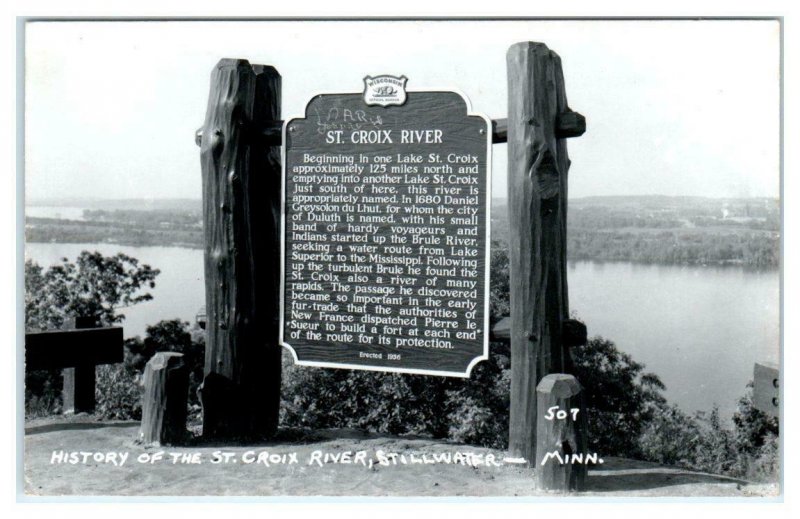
x=756, y=439
x=671, y=437
x=480, y=407
x=379, y=402
x=118, y=393
x=471, y=411
x=43, y=392
x=499, y=289
x=119, y=389
x=764, y=465
x=169, y=335
x=703, y=442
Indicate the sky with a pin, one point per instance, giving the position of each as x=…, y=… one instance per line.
x=686, y=108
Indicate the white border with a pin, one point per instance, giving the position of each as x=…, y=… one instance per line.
x=488, y=251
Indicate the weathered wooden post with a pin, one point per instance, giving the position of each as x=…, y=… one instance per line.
x=166, y=387
x=766, y=388
x=560, y=434
x=241, y=207
x=78, y=385
x=539, y=121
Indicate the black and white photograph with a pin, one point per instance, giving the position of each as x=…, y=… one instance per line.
x=402, y=258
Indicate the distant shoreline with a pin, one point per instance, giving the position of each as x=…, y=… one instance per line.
x=650, y=230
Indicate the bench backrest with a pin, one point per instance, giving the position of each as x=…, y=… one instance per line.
x=72, y=348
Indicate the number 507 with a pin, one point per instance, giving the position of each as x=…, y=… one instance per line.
x=561, y=414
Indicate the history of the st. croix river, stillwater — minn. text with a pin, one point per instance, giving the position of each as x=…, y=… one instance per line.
x=385, y=233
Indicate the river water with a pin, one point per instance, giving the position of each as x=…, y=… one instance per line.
x=700, y=329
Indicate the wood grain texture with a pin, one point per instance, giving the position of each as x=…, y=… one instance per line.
x=166, y=387
x=564, y=437
x=570, y=124
x=537, y=183
x=241, y=196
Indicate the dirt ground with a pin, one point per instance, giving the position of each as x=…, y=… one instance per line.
x=73, y=458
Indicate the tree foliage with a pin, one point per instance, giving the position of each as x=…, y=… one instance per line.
x=169, y=335
x=704, y=442
x=119, y=389
x=93, y=286
x=620, y=396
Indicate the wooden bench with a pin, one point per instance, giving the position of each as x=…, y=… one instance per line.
x=77, y=352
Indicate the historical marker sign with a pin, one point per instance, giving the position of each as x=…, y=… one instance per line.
x=385, y=260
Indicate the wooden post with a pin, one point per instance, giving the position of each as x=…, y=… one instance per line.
x=766, y=388
x=79, y=382
x=539, y=121
x=560, y=437
x=78, y=389
x=166, y=388
x=241, y=210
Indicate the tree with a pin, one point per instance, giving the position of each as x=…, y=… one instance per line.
x=93, y=286
x=621, y=398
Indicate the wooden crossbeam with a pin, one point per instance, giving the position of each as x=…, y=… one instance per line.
x=573, y=332
x=73, y=348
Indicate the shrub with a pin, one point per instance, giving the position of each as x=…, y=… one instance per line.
x=704, y=442
x=620, y=397
x=43, y=392
x=474, y=410
x=480, y=407
x=752, y=427
x=764, y=465
x=118, y=389
x=118, y=393
x=169, y=335
x=756, y=440
x=499, y=289
x=671, y=437
x=378, y=402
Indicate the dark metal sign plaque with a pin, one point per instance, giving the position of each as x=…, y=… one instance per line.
x=386, y=239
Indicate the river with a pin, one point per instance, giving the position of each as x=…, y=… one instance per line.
x=700, y=329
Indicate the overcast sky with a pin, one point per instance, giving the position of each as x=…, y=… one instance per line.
x=673, y=107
